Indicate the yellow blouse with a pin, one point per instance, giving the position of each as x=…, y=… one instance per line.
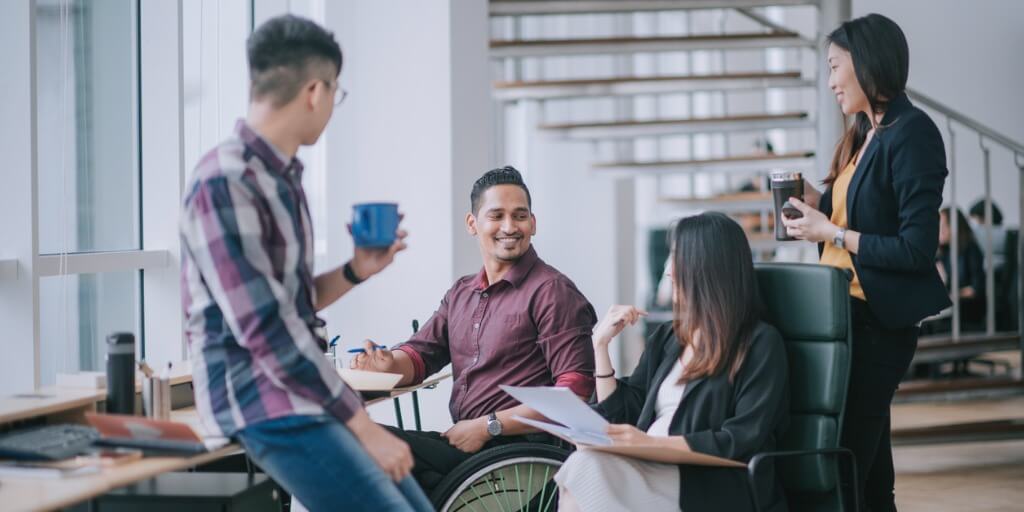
x=832, y=255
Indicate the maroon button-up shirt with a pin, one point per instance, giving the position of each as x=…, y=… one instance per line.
x=532, y=328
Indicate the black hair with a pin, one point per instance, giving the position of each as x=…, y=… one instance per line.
x=881, y=62
x=964, y=233
x=285, y=52
x=716, y=293
x=507, y=175
x=978, y=210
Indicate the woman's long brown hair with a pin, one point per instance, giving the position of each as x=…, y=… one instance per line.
x=881, y=62
x=715, y=292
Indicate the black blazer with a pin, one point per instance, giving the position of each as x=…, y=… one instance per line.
x=893, y=202
x=732, y=420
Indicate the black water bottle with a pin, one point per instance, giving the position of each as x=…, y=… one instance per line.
x=121, y=373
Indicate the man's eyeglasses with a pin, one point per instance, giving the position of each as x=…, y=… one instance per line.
x=339, y=93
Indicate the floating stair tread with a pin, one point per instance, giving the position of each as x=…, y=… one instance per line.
x=920, y=387
x=990, y=430
x=646, y=79
x=738, y=197
x=936, y=341
x=542, y=7
x=582, y=42
x=619, y=45
x=1016, y=424
x=942, y=347
x=694, y=121
x=765, y=157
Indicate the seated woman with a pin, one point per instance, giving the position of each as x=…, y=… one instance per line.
x=970, y=270
x=714, y=380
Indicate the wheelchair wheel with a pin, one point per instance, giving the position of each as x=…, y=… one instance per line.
x=515, y=477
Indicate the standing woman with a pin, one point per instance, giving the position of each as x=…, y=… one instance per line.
x=879, y=217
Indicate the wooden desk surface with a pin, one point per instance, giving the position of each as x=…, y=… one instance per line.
x=397, y=392
x=53, y=400
x=33, y=494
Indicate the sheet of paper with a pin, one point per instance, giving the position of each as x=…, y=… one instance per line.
x=361, y=380
x=585, y=428
x=562, y=406
x=573, y=436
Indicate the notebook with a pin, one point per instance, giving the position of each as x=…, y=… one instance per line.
x=147, y=434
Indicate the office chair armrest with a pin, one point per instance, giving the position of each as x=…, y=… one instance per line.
x=844, y=453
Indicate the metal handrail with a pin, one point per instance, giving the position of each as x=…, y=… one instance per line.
x=989, y=133
x=1017, y=148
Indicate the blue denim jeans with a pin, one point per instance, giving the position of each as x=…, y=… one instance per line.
x=320, y=462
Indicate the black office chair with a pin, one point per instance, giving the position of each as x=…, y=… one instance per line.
x=513, y=477
x=810, y=306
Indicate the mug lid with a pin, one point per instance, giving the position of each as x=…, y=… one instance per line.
x=786, y=175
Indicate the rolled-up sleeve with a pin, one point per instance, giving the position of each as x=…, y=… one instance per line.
x=222, y=229
x=428, y=347
x=565, y=322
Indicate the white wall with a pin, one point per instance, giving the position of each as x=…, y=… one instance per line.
x=415, y=129
x=968, y=56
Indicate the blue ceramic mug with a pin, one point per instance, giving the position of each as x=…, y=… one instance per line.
x=374, y=224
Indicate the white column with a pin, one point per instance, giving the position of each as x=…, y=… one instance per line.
x=164, y=168
x=19, y=297
x=415, y=129
x=830, y=120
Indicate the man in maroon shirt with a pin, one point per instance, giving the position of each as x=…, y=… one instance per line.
x=518, y=322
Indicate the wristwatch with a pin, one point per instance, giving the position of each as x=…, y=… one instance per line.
x=493, y=425
x=839, y=240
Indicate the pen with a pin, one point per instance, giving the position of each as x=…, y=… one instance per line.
x=358, y=350
x=334, y=346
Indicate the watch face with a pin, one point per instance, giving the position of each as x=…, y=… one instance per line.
x=494, y=427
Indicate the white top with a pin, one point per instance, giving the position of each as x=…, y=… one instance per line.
x=669, y=395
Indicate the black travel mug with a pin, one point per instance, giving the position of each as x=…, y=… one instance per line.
x=784, y=185
x=121, y=373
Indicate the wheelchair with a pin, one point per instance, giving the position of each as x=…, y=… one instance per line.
x=512, y=477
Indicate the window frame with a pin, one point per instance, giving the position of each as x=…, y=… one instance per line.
x=161, y=157
x=157, y=97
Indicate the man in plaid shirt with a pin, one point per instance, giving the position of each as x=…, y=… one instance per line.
x=250, y=297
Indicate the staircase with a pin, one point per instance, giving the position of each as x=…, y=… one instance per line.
x=737, y=115
x=642, y=59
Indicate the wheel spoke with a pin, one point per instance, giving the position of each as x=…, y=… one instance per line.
x=551, y=499
x=519, y=488
x=544, y=486
x=495, y=491
x=529, y=486
x=504, y=485
x=472, y=487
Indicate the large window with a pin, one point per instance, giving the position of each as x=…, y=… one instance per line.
x=88, y=176
x=87, y=136
x=79, y=311
x=100, y=142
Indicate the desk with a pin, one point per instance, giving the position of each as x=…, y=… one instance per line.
x=42, y=494
x=69, y=405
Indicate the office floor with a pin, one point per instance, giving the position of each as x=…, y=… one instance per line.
x=979, y=477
